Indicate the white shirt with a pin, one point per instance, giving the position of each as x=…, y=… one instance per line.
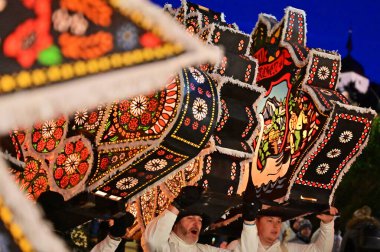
x=323, y=243
x=158, y=237
x=106, y=245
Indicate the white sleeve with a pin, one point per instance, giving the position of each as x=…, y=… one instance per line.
x=248, y=242
x=107, y=245
x=324, y=242
x=157, y=232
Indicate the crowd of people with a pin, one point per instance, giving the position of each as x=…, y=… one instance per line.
x=178, y=229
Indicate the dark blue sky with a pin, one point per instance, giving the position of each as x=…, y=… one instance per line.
x=328, y=22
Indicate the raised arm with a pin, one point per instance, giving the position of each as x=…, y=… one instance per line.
x=249, y=240
x=325, y=239
x=157, y=232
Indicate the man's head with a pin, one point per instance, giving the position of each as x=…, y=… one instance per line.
x=268, y=228
x=188, y=228
x=305, y=228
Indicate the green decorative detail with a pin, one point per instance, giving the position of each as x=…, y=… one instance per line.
x=50, y=56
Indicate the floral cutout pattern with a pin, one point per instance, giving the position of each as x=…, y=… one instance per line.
x=46, y=136
x=345, y=136
x=88, y=120
x=138, y=105
x=198, y=76
x=126, y=183
x=322, y=168
x=72, y=164
x=199, y=109
x=323, y=73
x=156, y=164
x=334, y=153
x=33, y=180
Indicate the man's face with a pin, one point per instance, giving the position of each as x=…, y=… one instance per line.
x=306, y=232
x=188, y=228
x=268, y=228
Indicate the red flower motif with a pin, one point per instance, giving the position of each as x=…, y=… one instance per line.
x=177, y=159
x=133, y=170
x=74, y=179
x=149, y=40
x=20, y=137
x=58, y=173
x=84, y=154
x=145, y=118
x=39, y=185
x=79, y=146
x=36, y=136
x=195, y=125
x=38, y=126
x=170, y=156
x=124, y=105
x=64, y=182
x=58, y=133
x=83, y=167
x=41, y=145
x=208, y=94
x=104, y=163
x=93, y=118
x=30, y=171
x=149, y=176
x=203, y=128
x=152, y=105
x=69, y=148
x=200, y=90
x=27, y=41
x=50, y=144
x=60, y=121
x=161, y=152
x=124, y=118
x=187, y=121
x=133, y=124
x=61, y=159
x=106, y=188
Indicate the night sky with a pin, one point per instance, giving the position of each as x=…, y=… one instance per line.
x=328, y=23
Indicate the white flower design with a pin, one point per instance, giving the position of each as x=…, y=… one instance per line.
x=323, y=73
x=197, y=75
x=334, y=153
x=155, y=164
x=199, y=109
x=345, y=137
x=80, y=116
x=71, y=163
x=138, y=105
x=322, y=168
x=126, y=183
x=48, y=129
x=61, y=20
x=79, y=24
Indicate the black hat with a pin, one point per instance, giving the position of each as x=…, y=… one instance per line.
x=210, y=207
x=206, y=220
x=51, y=201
